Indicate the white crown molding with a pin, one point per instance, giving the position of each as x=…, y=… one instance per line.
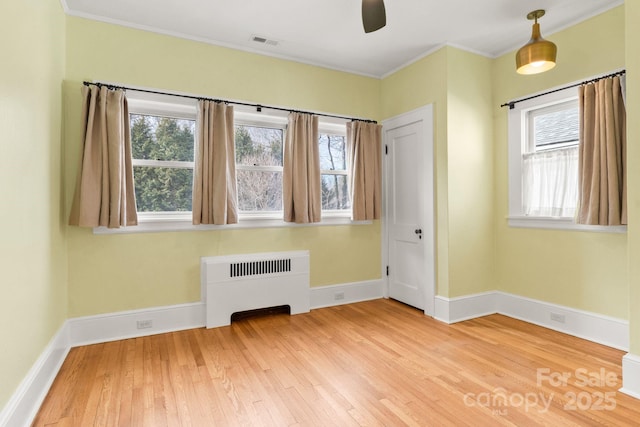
x=206, y=40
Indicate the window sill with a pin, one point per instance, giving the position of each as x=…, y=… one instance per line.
x=167, y=223
x=557, y=223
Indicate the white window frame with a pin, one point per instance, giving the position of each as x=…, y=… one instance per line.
x=334, y=129
x=518, y=132
x=276, y=121
x=180, y=107
x=148, y=104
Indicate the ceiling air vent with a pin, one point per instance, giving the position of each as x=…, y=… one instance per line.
x=264, y=40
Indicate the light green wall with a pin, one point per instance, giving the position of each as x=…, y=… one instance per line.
x=122, y=272
x=470, y=166
x=582, y=270
x=458, y=83
x=33, y=304
x=421, y=83
x=632, y=32
x=53, y=272
x=107, y=52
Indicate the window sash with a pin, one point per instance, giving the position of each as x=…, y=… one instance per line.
x=550, y=183
x=519, y=131
x=550, y=171
x=334, y=172
x=542, y=110
x=163, y=164
x=258, y=168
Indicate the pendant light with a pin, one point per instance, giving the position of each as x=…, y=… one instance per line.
x=538, y=55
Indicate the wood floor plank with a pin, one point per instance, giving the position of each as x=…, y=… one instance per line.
x=376, y=363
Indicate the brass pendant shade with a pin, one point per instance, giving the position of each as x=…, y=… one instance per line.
x=538, y=55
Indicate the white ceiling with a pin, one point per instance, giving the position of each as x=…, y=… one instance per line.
x=329, y=32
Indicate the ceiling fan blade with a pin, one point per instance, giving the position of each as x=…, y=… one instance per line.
x=374, y=16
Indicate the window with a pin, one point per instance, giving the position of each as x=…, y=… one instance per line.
x=543, y=160
x=259, y=168
x=555, y=126
x=333, y=165
x=550, y=160
x=543, y=138
x=163, y=138
x=162, y=151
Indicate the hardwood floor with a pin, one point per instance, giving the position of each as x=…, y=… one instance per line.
x=377, y=363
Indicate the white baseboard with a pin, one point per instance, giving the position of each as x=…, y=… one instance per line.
x=122, y=325
x=605, y=330
x=594, y=327
x=631, y=375
x=452, y=310
x=327, y=296
x=25, y=402
x=23, y=405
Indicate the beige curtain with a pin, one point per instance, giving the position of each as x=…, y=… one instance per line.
x=602, y=194
x=215, y=197
x=301, y=193
x=104, y=193
x=364, y=142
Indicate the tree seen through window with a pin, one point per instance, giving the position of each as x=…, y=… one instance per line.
x=259, y=168
x=165, y=183
x=333, y=164
x=163, y=162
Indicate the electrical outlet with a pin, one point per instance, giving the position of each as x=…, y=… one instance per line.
x=144, y=324
x=338, y=296
x=557, y=317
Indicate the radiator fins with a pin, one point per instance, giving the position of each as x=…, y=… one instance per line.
x=254, y=268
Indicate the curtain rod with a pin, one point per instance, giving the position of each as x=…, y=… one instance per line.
x=511, y=104
x=258, y=107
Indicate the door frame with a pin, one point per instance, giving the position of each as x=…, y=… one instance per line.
x=425, y=115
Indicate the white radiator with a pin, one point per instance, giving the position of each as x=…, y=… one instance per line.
x=236, y=283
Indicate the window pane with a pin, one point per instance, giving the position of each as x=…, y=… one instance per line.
x=259, y=190
x=163, y=189
x=259, y=146
x=550, y=182
x=162, y=138
x=333, y=154
x=335, y=194
x=549, y=167
x=558, y=128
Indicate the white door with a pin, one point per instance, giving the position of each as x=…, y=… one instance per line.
x=409, y=210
